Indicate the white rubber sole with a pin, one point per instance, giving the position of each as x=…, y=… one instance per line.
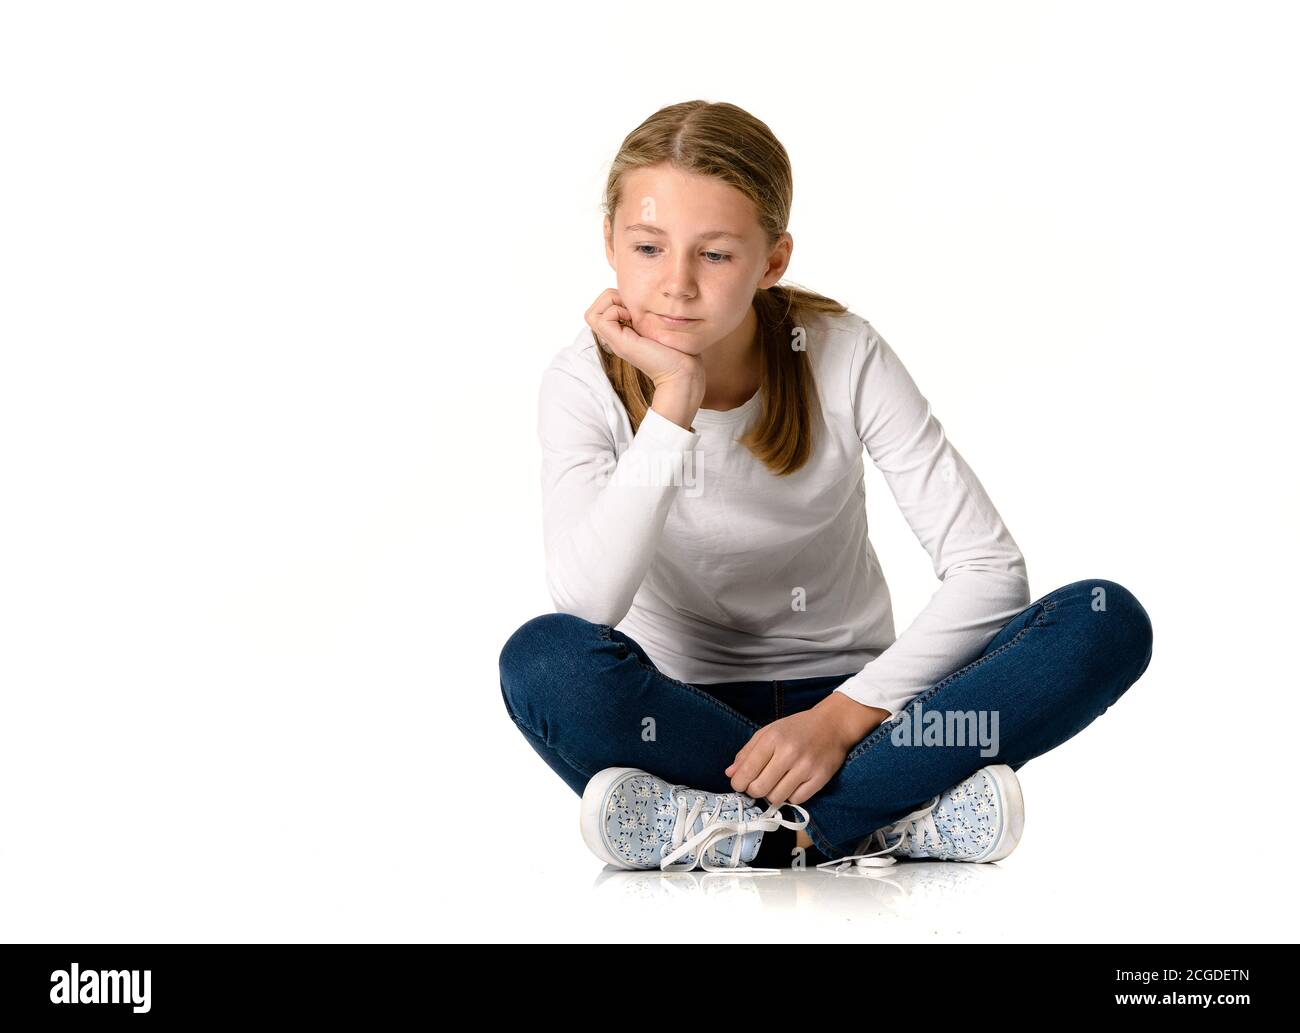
x=1012, y=803
x=592, y=815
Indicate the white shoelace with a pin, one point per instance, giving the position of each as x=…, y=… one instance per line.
x=918, y=826
x=687, y=839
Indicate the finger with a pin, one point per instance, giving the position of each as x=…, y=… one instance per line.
x=807, y=790
x=614, y=325
x=609, y=335
x=619, y=317
x=603, y=300
x=740, y=758
x=766, y=780
x=744, y=751
x=785, y=787
x=759, y=754
x=608, y=302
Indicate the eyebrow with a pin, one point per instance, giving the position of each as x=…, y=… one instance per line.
x=703, y=236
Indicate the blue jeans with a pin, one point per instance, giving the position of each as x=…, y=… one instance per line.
x=587, y=697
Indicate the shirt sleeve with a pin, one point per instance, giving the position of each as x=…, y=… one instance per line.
x=984, y=580
x=603, y=515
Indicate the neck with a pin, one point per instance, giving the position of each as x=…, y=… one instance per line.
x=731, y=366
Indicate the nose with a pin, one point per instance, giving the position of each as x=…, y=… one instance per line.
x=679, y=278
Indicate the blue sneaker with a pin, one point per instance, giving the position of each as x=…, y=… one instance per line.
x=979, y=819
x=633, y=819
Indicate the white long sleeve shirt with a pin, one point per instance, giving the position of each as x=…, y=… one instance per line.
x=723, y=571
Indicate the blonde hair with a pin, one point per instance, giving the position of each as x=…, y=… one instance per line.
x=729, y=144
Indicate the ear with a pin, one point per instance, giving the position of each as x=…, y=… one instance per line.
x=609, y=246
x=778, y=260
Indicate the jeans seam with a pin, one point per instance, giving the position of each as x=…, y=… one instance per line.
x=880, y=732
x=605, y=633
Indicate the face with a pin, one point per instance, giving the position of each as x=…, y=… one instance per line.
x=670, y=260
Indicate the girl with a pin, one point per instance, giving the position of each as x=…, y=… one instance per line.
x=724, y=632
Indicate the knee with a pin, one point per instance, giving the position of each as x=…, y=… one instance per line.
x=1125, y=632
x=534, y=641
x=541, y=653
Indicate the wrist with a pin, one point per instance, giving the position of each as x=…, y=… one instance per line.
x=856, y=719
x=685, y=389
x=678, y=402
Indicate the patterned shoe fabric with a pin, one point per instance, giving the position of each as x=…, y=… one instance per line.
x=980, y=819
x=633, y=819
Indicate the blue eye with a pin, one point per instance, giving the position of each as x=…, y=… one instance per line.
x=718, y=257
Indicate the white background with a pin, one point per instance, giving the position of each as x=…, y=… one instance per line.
x=277, y=285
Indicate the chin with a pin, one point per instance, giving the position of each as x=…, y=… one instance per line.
x=681, y=340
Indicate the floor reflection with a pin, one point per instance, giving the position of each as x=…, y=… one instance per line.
x=901, y=888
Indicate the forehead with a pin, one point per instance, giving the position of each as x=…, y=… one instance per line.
x=684, y=203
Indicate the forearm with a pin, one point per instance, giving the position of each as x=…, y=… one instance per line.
x=596, y=563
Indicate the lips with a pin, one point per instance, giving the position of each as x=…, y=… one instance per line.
x=677, y=319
